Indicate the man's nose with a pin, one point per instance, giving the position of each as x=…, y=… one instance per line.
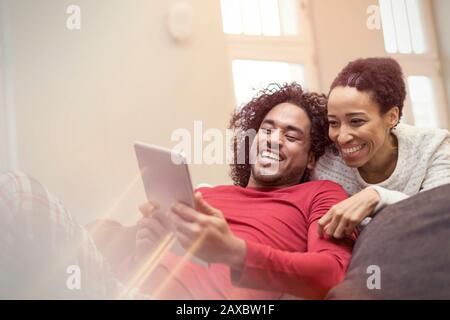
x=275, y=141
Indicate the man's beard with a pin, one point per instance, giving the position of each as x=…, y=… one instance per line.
x=275, y=179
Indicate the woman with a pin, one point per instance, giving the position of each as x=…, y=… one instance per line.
x=377, y=160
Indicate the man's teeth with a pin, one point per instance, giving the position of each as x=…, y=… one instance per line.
x=270, y=155
x=353, y=150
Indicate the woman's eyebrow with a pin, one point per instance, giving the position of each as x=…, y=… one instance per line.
x=352, y=114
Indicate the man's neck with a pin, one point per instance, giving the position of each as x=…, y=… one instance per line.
x=252, y=183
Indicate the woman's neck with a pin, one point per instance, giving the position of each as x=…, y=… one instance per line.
x=383, y=164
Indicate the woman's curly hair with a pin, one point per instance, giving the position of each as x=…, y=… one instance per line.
x=252, y=115
x=381, y=77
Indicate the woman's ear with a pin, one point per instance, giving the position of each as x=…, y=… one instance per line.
x=393, y=117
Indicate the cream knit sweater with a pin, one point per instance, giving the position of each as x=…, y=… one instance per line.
x=423, y=163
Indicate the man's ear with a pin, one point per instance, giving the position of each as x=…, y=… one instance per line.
x=310, y=165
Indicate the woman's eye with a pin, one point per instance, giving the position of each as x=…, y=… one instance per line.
x=332, y=123
x=357, y=122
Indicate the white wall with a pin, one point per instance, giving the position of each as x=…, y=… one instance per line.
x=83, y=97
x=342, y=35
x=4, y=149
x=441, y=10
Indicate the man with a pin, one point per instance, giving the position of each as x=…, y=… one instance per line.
x=260, y=233
x=260, y=236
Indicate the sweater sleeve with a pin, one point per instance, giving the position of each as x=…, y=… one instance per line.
x=309, y=274
x=438, y=172
x=387, y=197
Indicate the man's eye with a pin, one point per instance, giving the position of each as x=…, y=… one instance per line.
x=291, y=138
x=266, y=131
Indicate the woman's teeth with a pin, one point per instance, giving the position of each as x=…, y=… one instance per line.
x=350, y=151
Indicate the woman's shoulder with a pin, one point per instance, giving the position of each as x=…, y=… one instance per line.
x=331, y=167
x=330, y=159
x=419, y=142
x=421, y=135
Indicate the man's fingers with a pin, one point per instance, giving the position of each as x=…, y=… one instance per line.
x=204, y=207
x=147, y=209
x=144, y=236
x=185, y=212
x=189, y=229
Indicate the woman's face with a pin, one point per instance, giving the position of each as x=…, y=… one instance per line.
x=357, y=127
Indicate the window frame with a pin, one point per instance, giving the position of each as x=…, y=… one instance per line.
x=426, y=64
x=295, y=49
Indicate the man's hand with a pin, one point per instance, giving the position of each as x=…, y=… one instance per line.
x=341, y=220
x=152, y=228
x=205, y=233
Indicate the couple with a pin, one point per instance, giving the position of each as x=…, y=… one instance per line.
x=291, y=230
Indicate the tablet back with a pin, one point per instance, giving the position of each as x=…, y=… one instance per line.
x=165, y=174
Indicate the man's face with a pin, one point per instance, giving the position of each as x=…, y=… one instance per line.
x=280, y=152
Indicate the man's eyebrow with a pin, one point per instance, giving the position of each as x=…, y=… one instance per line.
x=268, y=121
x=288, y=128
x=293, y=128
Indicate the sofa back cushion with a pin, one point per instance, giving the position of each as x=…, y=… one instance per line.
x=404, y=253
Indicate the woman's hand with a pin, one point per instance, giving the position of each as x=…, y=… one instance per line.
x=341, y=220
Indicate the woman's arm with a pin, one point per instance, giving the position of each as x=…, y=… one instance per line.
x=386, y=197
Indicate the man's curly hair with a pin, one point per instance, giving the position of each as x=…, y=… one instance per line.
x=252, y=115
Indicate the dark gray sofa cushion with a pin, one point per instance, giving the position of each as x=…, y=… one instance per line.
x=410, y=243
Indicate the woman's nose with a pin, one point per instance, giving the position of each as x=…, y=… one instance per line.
x=344, y=137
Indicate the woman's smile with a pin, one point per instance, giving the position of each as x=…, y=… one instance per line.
x=353, y=152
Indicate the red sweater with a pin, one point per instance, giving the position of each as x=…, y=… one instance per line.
x=284, y=251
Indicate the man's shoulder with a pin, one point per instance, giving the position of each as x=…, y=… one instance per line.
x=317, y=187
x=216, y=189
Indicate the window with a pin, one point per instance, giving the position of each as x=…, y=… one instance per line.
x=260, y=17
x=403, y=26
x=252, y=75
x=409, y=38
x=269, y=42
x=422, y=101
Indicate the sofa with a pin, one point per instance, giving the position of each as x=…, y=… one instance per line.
x=404, y=253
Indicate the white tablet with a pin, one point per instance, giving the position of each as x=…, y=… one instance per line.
x=166, y=178
x=165, y=174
